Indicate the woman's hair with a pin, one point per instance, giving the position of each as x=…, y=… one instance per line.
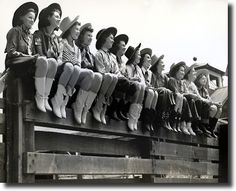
x=66, y=34
x=80, y=39
x=130, y=61
x=197, y=81
x=25, y=12
x=141, y=60
x=154, y=69
x=103, y=39
x=115, y=47
x=44, y=22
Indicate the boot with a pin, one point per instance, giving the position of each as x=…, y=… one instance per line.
x=63, y=106
x=97, y=109
x=57, y=100
x=39, y=96
x=88, y=103
x=203, y=127
x=189, y=128
x=78, y=105
x=164, y=121
x=146, y=120
x=184, y=128
x=48, y=86
x=121, y=110
x=195, y=127
x=103, y=114
x=212, y=125
x=137, y=116
x=132, y=116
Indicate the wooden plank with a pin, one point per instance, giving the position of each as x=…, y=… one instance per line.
x=2, y=162
x=40, y=163
x=186, y=180
x=2, y=105
x=2, y=123
x=48, y=119
x=180, y=137
x=181, y=167
x=84, y=144
x=184, y=151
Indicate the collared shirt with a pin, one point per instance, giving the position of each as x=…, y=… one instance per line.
x=70, y=53
x=87, y=58
x=48, y=45
x=177, y=86
x=134, y=71
x=106, y=62
x=19, y=42
x=191, y=87
x=147, y=75
x=159, y=80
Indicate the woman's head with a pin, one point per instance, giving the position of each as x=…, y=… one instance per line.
x=177, y=71
x=145, y=60
x=158, y=65
x=105, y=38
x=50, y=16
x=86, y=35
x=70, y=28
x=190, y=74
x=25, y=15
x=119, y=45
x=202, y=78
x=133, y=55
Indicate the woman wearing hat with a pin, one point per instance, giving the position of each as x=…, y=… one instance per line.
x=125, y=88
x=88, y=61
x=215, y=109
x=47, y=45
x=105, y=64
x=166, y=99
x=175, y=84
x=151, y=95
x=20, y=56
x=134, y=74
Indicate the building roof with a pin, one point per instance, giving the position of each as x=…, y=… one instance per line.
x=220, y=95
x=209, y=67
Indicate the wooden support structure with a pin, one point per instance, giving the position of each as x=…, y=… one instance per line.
x=38, y=147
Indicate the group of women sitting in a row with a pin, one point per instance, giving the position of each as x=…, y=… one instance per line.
x=67, y=74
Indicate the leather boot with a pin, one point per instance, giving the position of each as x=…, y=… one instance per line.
x=189, y=128
x=146, y=120
x=88, y=103
x=48, y=86
x=63, y=106
x=183, y=128
x=133, y=114
x=97, y=109
x=78, y=105
x=57, y=100
x=212, y=125
x=40, y=90
x=203, y=127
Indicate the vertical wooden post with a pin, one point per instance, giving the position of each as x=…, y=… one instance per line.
x=20, y=134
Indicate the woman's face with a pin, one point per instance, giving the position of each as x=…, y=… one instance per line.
x=74, y=31
x=28, y=19
x=109, y=41
x=122, y=48
x=192, y=75
x=137, y=57
x=147, y=61
x=87, y=38
x=160, y=67
x=180, y=73
x=54, y=19
x=203, y=80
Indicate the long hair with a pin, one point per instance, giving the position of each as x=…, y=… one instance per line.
x=44, y=22
x=80, y=39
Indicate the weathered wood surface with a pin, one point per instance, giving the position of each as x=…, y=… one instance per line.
x=41, y=163
x=181, y=167
x=2, y=105
x=185, y=180
x=84, y=144
x=184, y=151
x=2, y=162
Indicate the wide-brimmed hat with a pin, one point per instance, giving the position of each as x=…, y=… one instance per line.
x=155, y=60
x=43, y=15
x=175, y=67
x=121, y=37
x=146, y=51
x=130, y=52
x=102, y=33
x=87, y=25
x=22, y=10
x=66, y=23
x=188, y=69
x=202, y=72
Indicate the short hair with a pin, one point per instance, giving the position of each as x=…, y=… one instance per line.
x=80, y=39
x=24, y=12
x=103, y=39
x=44, y=22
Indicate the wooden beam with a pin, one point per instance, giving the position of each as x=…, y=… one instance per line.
x=181, y=167
x=2, y=123
x=2, y=105
x=186, y=180
x=49, y=120
x=84, y=144
x=41, y=163
x=184, y=151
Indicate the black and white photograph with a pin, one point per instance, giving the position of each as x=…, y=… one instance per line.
x=128, y=92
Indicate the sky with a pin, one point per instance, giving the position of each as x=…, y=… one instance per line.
x=179, y=29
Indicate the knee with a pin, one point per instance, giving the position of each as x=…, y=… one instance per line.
x=68, y=67
x=52, y=64
x=98, y=77
x=213, y=109
x=107, y=77
x=150, y=93
x=42, y=63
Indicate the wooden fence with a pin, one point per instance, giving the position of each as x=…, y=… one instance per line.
x=42, y=148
